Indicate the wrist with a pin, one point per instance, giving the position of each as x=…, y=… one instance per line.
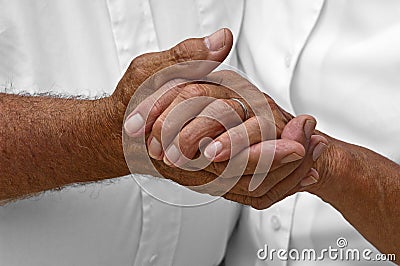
x=334, y=167
x=106, y=124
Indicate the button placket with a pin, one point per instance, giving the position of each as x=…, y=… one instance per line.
x=151, y=36
x=158, y=241
x=310, y=21
x=288, y=60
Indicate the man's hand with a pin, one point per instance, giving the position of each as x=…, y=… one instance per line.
x=48, y=142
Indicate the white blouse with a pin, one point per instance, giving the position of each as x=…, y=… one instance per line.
x=82, y=48
x=338, y=60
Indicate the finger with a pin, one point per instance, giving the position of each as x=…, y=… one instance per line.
x=263, y=196
x=217, y=116
x=261, y=104
x=239, y=87
x=153, y=106
x=231, y=142
x=260, y=158
x=214, y=47
x=183, y=177
x=186, y=105
x=287, y=186
x=258, y=129
x=168, y=97
x=182, y=109
x=284, y=188
x=311, y=180
x=299, y=129
x=212, y=90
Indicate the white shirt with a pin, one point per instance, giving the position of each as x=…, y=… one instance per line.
x=82, y=48
x=339, y=61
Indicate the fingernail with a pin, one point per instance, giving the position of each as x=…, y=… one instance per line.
x=134, y=124
x=165, y=160
x=318, y=150
x=216, y=41
x=311, y=178
x=291, y=158
x=155, y=149
x=172, y=154
x=213, y=150
x=309, y=128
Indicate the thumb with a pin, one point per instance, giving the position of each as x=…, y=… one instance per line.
x=215, y=47
x=300, y=129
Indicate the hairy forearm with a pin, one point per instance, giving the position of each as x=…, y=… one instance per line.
x=47, y=143
x=364, y=186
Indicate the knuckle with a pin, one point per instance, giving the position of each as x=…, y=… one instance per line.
x=249, y=201
x=264, y=123
x=181, y=53
x=307, y=117
x=157, y=127
x=223, y=77
x=273, y=105
x=138, y=64
x=240, y=132
x=168, y=129
x=231, y=112
x=256, y=203
x=259, y=192
x=194, y=131
x=185, y=139
x=273, y=195
x=218, y=106
x=262, y=128
x=221, y=111
x=221, y=103
x=192, y=90
x=261, y=203
x=157, y=108
x=227, y=73
x=217, y=168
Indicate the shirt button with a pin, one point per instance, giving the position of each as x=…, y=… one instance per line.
x=288, y=59
x=276, y=224
x=125, y=47
x=153, y=259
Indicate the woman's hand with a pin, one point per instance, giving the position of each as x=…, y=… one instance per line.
x=285, y=152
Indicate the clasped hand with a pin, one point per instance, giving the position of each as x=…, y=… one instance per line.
x=241, y=132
